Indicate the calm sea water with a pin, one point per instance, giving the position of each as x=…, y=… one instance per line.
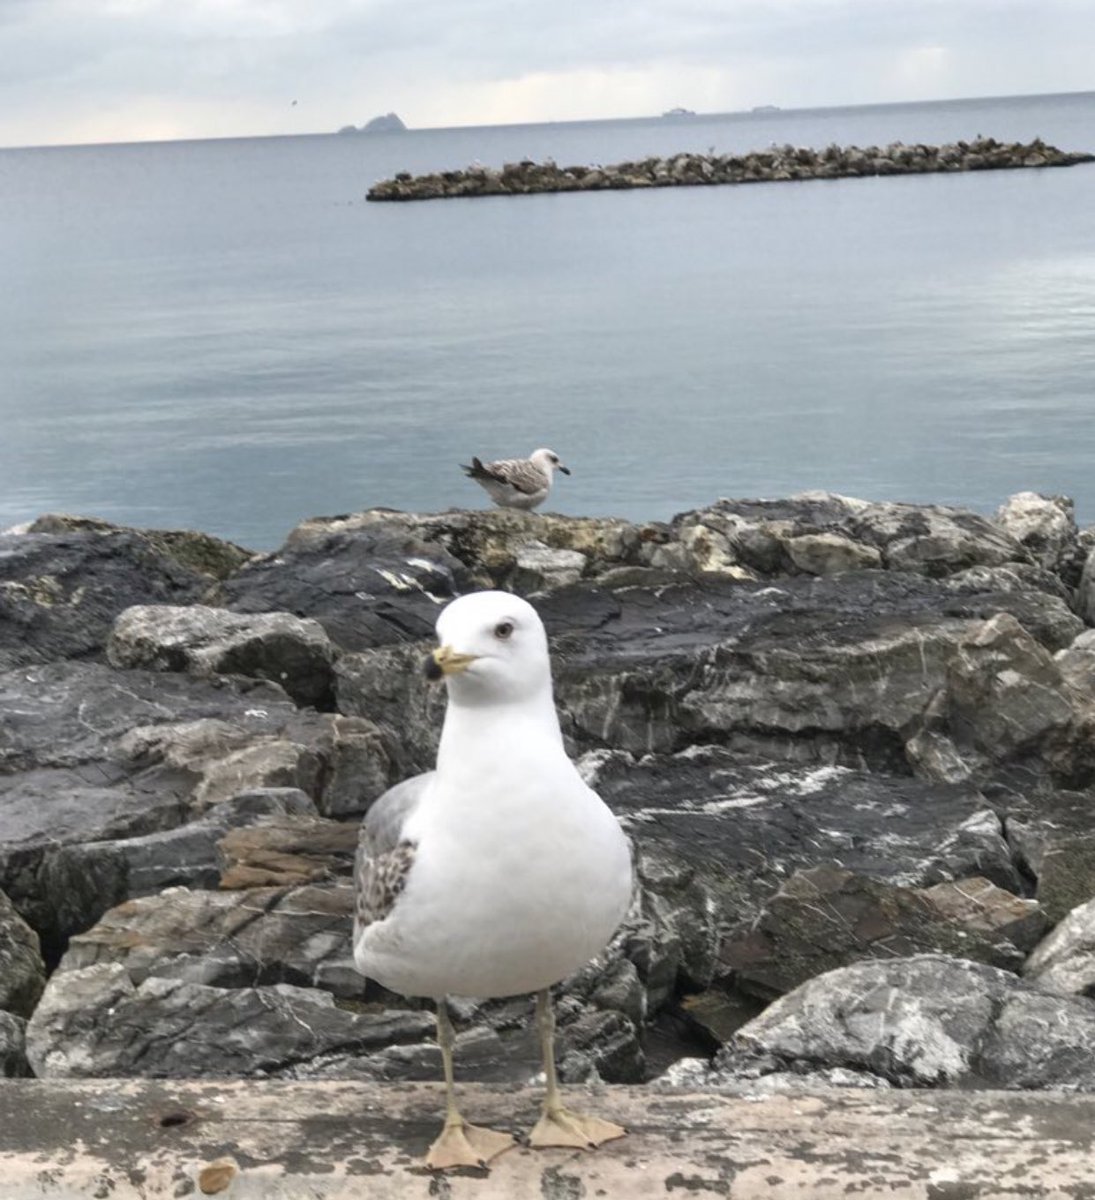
x=224, y=335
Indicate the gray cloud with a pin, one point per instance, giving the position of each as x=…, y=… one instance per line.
x=88, y=69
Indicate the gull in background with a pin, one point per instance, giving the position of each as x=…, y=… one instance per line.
x=517, y=482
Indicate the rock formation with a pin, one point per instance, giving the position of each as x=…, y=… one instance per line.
x=776, y=164
x=853, y=744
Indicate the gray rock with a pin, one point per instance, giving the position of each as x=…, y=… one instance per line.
x=1005, y=692
x=92, y=755
x=88, y=878
x=1053, y=835
x=826, y=917
x=1065, y=960
x=102, y=1023
x=1085, y=593
x=1045, y=525
x=290, y=651
x=60, y=592
x=728, y=834
x=538, y=567
x=22, y=971
x=13, y=1058
x=1076, y=662
x=926, y=1021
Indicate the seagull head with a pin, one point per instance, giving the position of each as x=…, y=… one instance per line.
x=548, y=460
x=493, y=649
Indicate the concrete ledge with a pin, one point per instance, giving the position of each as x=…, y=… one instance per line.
x=121, y=1139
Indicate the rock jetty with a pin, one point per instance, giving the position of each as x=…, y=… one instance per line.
x=778, y=163
x=853, y=744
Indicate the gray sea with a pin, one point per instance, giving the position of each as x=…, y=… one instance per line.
x=224, y=335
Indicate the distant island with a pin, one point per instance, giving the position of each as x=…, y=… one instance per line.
x=674, y=113
x=763, y=108
x=388, y=123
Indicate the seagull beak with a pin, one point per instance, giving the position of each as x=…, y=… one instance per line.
x=565, y=470
x=447, y=661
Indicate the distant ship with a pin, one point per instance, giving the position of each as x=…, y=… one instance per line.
x=674, y=113
x=763, y=108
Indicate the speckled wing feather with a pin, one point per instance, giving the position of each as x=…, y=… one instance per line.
x=521, y=474
x=384, y=856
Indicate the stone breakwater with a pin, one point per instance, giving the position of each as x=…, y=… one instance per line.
x=853, y=744
x=776, y=164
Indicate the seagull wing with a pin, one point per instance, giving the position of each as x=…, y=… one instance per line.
x=522, y=474
x=384, y=856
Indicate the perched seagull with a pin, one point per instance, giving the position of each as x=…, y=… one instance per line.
x=500, y=872
x=517, y=482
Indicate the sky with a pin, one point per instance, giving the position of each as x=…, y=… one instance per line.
x=132, y=70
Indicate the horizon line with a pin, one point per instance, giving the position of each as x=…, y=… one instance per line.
x=756, y=111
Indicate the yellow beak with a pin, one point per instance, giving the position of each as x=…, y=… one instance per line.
x=447, y=661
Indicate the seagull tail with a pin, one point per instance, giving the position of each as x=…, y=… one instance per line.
x=477, y=470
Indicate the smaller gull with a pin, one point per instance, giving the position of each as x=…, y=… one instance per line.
x=517, y=482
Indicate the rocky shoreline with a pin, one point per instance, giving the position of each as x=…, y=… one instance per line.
x=776, y=164
x=853, y=744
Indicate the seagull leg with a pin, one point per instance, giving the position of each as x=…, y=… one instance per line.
x=558, y=1125
x=460, y=1144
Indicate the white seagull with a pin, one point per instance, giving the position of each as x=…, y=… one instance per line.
x=500, y=872
x=517, y=482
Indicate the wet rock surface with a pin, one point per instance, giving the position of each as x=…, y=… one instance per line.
x=777, y=164
x=844, y=737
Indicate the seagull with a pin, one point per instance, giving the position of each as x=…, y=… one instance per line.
x=517, y=482
x=498, y=873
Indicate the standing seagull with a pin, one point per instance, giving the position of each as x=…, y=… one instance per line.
x=517, y=482
x=500, y=872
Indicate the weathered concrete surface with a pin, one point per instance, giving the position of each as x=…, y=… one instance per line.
x=328, y=1141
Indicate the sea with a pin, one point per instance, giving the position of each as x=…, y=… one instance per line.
x=225, y=335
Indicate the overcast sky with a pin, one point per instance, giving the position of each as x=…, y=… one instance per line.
x=122, y=70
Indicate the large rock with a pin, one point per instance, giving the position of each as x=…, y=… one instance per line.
x=743, y=828
x=60, y=593
x=290, y=651
x=1065, y=961
x=926, y=1021
x=103, y=1024
x=1053, y=835
x=93, y=755
x=827, y=917
x=13, y=1057
x=1043, y=525
x=22, y=971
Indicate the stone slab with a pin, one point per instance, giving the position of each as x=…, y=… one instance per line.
x=138, y=1140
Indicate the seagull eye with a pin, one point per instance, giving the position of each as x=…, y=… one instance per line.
x=503, y=629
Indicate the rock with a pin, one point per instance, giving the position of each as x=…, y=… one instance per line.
x=201, y=552
x=1085, y=594
x=103, y=1024
x=925, y=1021
x=689, y=170
x=290, y=651
x=1005, y=692
x=86, y=879
x=284, y=851
x=60, y=593
x=93, y=755
x=366, y=584
x=1065, y=961
x=826, y=917
x=13, y=1058
x=829, y=553
x=1045, y=525
x=740, y=829
x=1076, y=662
x=22, y=971
x=980, y=906
x=538, y=567
x=226, y=939
x=1054, y=839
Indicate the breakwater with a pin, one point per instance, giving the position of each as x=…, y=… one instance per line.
x=776, y=164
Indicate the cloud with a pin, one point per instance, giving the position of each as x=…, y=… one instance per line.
x=75, y=70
